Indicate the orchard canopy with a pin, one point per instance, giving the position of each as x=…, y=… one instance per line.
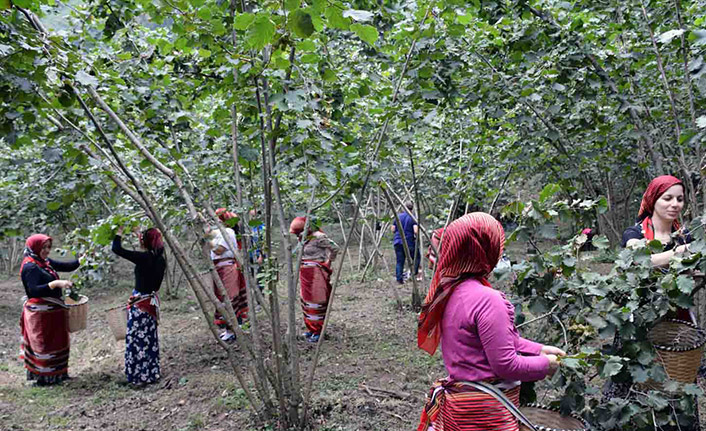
x=553, y=116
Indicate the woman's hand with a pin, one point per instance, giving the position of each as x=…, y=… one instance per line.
x=551, y=350
x=553, y=364
x=681, y=249
x=60, y=284
x=120, y=230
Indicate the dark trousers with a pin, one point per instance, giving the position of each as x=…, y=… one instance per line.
x=401, y=257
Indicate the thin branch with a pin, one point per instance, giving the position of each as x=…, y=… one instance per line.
x=549, y=313
x=333, y=195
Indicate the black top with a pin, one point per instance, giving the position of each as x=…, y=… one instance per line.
x=149, y=266
x=635, y=232
x=36, y=279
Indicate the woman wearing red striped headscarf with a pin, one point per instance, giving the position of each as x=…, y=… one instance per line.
x=45, y=333
x=658, y=219
x=314, y=275
x=475, y=325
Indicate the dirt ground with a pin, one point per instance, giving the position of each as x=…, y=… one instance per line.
x=371, y=344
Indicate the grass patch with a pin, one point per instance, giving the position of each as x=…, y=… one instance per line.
x=196, y=423
x=111, y=391
x=337, y=383
x=233, y=399
x=36, y=401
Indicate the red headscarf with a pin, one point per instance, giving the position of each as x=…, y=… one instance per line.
x=473, y=245
x=32, y=253
x=297, y=226
x=152, y=239
x=655, y=189
x=224, y=215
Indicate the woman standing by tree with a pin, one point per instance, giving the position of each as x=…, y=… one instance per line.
x=229, y=272
x=45, y=332
x=142, y=339
x=475, y=324
x=314, y=276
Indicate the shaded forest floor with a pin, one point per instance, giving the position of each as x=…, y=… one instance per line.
x=371, y=344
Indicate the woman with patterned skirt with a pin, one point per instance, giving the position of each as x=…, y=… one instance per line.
x=142, y=339
x=314, y=276
x=45, y=332
x=475, y=325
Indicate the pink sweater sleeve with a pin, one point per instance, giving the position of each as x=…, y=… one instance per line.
x=528, y=347
x=499, y=338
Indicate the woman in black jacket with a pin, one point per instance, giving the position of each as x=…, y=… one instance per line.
x=45, y=332
x=142, y=341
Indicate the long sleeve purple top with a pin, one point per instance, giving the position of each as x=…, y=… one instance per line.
x=479, y=340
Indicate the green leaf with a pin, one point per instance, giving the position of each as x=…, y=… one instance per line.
x=611, y=367
x=693, y=389
x=358, y=15
x=310, y=58
x=464, y=18
x=301, y=24
x=597, y=321
x=53, y=206
x=667, y=36
x=5, y=4
x=601, y=242
x=367, y=33
x=243, y=21
x=291, y=5
x=685, y=284
x=701, y=122
x=86, y=79
x=548, y=191
x=204, y=53
x=573, y=363
x=205, y=13
x=306, y=46
x=329, y=75
x=103, y=235
x=699, y=37
x=261, y=32
x=335, y=18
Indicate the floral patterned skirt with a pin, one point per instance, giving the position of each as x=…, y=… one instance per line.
x=141, y=347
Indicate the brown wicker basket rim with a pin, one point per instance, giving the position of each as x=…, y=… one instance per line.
x=701, y=333
x=82, y=299
x=556, y=410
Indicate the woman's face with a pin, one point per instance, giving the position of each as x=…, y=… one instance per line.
x=46, y=249
x=670, y=204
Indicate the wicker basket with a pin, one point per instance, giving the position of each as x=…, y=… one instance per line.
x=77, y=313
x=117, y=320
x=679, y=347
x=548, y=419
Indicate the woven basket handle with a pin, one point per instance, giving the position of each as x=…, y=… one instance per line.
x=498, y=395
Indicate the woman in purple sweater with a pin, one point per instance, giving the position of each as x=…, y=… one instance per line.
x=475, y=325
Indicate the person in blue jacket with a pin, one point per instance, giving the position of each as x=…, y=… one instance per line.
x=410, y=230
